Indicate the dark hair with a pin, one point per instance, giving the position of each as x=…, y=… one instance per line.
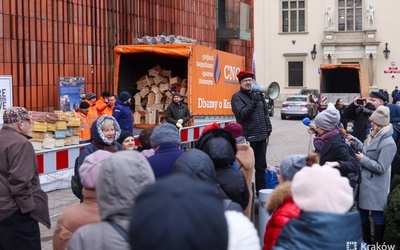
x=105, y=94
x=144, y=138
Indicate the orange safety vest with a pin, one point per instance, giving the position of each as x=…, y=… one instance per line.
x=92, y=115
x=85, y=127
x=102, y=108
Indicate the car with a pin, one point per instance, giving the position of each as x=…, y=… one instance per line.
x=314, y=92
x=298, y=105
x=270, y=104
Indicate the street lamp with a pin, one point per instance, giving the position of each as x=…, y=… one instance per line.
x=386, y=52
x=314, y=53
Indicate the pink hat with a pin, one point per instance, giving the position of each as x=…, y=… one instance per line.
x=89, y=170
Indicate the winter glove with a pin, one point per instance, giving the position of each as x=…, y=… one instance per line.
x=256, y=97
x=179, y=125
x=180, y=121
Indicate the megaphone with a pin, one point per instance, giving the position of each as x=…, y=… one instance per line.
x=272, y=90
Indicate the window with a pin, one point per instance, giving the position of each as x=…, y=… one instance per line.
x=295, y=74
x=293, y=16
x=350, y=15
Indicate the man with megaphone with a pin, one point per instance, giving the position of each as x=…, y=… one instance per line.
x=251, y=111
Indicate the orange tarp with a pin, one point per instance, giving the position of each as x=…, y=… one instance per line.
x=182, y=50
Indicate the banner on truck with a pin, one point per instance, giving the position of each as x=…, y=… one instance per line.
x=214, y=81
x=6, y=97
x=72, y=90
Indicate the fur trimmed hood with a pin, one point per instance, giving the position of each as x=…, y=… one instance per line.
x=278, y=196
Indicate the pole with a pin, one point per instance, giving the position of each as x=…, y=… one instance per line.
x=263, y=215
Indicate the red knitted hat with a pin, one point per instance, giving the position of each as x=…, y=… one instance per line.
x=235, y=129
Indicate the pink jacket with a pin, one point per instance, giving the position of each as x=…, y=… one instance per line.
x=74, y=217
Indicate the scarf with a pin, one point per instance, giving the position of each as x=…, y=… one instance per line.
x=110, y=148
x=320, y=141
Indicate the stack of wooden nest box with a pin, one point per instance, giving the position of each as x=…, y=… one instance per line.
x=155, y=91
x=51, y=130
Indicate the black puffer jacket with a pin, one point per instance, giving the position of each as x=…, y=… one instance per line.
x=252, y=116
x=221, y=147
x=175, y=112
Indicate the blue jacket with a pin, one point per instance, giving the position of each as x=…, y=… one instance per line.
x=122, y=113
x=319, y=230
x=164, y=158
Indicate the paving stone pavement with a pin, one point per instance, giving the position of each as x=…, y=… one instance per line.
x=288, y=137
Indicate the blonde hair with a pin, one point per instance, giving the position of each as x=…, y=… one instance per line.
x=373, y=132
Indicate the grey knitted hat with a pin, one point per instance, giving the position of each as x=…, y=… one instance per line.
x=381, y=116
x=166, y=132
x=328, y=118
x=290, y=165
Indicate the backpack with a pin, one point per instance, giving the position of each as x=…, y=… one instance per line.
x=76, y=184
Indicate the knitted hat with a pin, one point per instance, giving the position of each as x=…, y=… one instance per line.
x=177, y=94
x=191, y=216
x=123, y=136
x=209, y=127
x=242, y=234
x=15, y=114
x=290, y=165
x=124, y=96
x=381, y=116
x=380, y=95
x=89, y=170
x=89, y=96
x=235, y=129
x=84, y=105
x=244, y=74
x=322, y=189
x=328, y=118
x=165, y=132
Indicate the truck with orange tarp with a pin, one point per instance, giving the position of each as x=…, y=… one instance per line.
x=210, y=73
x=342, y=81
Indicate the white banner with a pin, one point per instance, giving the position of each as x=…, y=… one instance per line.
x=5, y=95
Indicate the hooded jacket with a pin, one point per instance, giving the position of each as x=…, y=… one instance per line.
x=199, y=166
x=283, y=208
x=320, y=230
x=121, y=179
x=99, y=141
x=220, y=145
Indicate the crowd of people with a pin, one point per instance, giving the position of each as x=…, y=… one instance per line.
x=156, y=195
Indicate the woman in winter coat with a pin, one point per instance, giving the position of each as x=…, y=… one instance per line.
x=86, y=212
x=104, y=132
x=121, y=178
x=281, y=204
x=244, y=159
x=375, y=156
x=330, y=144
x=324, y=198
x=220, y=145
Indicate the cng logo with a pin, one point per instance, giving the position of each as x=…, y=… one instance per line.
x=217, y=71
x=351, y=245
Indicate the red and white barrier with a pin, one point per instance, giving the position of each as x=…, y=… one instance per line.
x=56, y=166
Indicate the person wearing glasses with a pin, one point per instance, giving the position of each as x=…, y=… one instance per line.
x=22, y=202
x=251, y=111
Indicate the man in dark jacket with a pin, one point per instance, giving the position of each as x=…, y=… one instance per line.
x=122, y=112
x=19, y=185
x=251, y=112
x=177, y=113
